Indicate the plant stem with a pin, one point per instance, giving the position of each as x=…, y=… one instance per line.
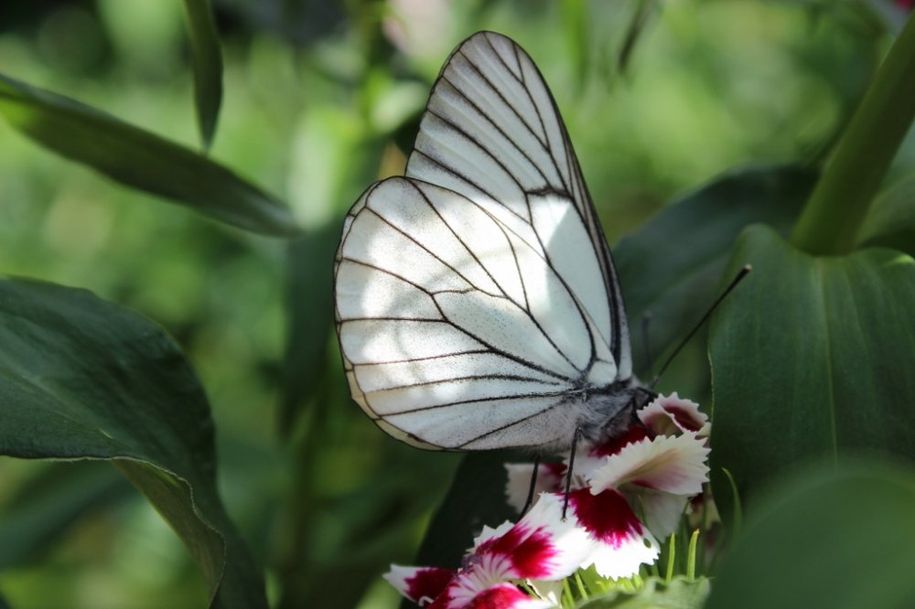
x=838, y=206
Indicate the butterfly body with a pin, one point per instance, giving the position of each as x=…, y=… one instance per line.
x=477, y=305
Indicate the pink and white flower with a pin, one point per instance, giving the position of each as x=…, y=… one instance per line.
x=625, y=493
x=540, y=546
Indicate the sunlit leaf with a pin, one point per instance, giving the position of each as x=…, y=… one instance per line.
x=207, y=61
x=672, y=265
x=140, y=159
x=81, y=378
x=842, y=538
x=811, y=357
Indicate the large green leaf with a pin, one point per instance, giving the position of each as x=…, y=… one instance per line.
x=84, y=379
x=140, y=159
x=891, y=219
x=839, y=538
x=812, y=357
x=672, y=265
x=207, y=61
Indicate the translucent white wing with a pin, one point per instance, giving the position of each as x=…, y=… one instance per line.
x=492, y=132
x=456, y=330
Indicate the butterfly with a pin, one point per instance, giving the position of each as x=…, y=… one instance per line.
x=477, y=305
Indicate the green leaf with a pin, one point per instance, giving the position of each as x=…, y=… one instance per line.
x=140, y=159
x=679, y=593
x=672, y=265
x=811, y=357
x=838, y=206
x=46, y=506
x=84, y=379
x=309, y=318
x=839, y=538
x=891, y=219
x=634, y=31
x=206, y=57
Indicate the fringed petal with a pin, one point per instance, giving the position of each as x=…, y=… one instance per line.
x=422, y=585
x=672, y=415
x=673, y=464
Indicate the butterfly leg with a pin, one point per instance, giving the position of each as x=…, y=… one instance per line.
x=532, y=487
x=575, y=437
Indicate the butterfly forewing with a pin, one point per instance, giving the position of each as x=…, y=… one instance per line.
x=476, y=296
x=492, y=132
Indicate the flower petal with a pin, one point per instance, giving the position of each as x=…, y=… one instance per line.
x=673, y=464
x=662, y=511
x=506, y=596
x=488, y=533
x=422, y=585
x=672, y=415
x=541, y=545
x=549, y=479
x=620, y=543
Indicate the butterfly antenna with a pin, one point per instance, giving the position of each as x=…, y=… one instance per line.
x=740, y=275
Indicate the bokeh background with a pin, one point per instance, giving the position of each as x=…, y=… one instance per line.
x=320, y=99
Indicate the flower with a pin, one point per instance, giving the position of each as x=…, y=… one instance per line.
x=625, y=493
x=657, y=466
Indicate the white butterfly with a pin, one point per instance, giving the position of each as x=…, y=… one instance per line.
x=476, y=301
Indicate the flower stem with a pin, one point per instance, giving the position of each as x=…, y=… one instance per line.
x=691, y=556
x=671, y=558
x=835, y=211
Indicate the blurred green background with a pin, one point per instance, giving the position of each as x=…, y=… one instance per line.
x=320, y=99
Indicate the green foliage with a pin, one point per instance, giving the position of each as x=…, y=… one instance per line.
x=832, y=536
x=832, y=219
x=50, y=503
x=677, y=593
x=140, y=159
x=476, y=497
x=891, y=220
x=670, y=267
x=809, y=355
x=207, y=65
x=84, y=379
x=806, y=359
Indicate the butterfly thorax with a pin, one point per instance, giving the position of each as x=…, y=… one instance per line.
x=609, y=410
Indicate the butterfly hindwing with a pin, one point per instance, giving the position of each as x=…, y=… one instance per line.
x=455, y=330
